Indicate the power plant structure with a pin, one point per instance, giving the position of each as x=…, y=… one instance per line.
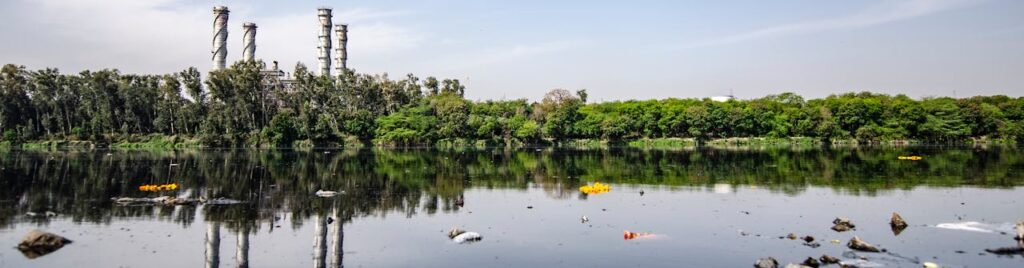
x=249, y=41
x=220, y=36
x=324, y=49
x=275, y=75
x=341, y=31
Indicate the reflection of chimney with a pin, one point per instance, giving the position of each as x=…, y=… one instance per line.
x=320, y=242
x=220, y=36
x=212, y=244
x=325, y=40
x=341, y=32
x=338, y=238
x=242, y=249
x=249, y=41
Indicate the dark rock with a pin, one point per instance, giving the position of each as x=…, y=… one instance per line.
x=529, y=207
x=826, y=259
x=768, y=262
x=808, y=239
x=897, y=224
x=842, y=225
x=38, y=243
x=811, y=262
x=857, y=244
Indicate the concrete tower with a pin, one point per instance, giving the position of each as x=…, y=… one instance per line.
x=341, y=32
x=220, y=36
x=249, y=41
x=325, y=40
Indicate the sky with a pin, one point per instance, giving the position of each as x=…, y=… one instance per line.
x=616, y=50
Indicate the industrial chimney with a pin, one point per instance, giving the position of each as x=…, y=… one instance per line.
x=325, y=40
x=341, y=32
x=249, y=41
x=220, y=36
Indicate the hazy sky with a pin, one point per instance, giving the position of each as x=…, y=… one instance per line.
x=521, y=49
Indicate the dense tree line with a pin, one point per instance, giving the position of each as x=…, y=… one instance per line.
x=239, y=106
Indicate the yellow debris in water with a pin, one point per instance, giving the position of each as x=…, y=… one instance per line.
x=596, y=188
x=157, y=188
x=835, y=241
x=930, y=265
x=911, y=157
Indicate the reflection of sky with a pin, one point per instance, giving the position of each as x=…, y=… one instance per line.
x=697, y=226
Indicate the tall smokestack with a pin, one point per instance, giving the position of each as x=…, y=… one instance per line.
x=220, y=36
x=325, y=40
x=341, y=32
x=249, y=41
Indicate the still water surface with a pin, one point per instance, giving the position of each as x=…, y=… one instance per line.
x=703, y=208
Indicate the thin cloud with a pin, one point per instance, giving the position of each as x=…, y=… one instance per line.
x=505, y=54
x=880, y=14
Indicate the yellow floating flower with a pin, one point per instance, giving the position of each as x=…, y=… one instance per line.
x=911, y=157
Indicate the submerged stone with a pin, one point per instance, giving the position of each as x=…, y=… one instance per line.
x=826, y=259
x=842, y=225
x=811, y=262
x=768, y=262
x=38, y=243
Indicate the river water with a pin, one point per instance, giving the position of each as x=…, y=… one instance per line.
x=692, y=207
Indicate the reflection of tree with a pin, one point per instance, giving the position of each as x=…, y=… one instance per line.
x=79, y=184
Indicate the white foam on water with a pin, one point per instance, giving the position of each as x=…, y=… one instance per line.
x=972, y=226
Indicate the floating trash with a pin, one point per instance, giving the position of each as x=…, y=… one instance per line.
x=596, y=188
x=909, y=157
x=322, y=193
x=157, y=188
x=627, y=235
x=460, y=236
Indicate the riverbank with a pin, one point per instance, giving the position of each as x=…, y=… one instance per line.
x=184, y=142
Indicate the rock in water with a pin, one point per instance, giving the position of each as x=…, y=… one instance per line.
x=826, y=259
x=38, y=243
x=768, y=262
x=897, y=223
x=811, y=262
x=842, y=225
x=857, y=244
